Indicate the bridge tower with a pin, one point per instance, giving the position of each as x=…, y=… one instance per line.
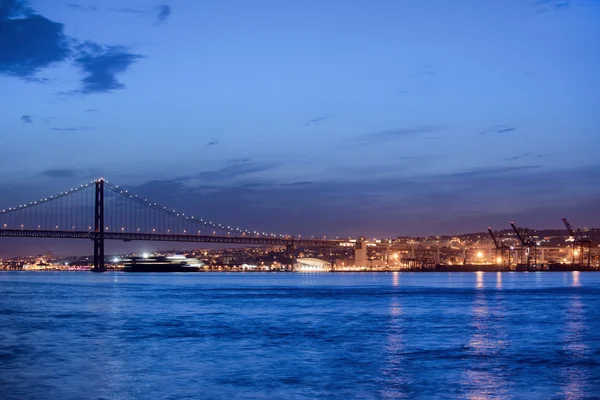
x=99, y=227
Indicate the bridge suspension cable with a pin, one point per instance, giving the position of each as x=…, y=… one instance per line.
x=124, y=212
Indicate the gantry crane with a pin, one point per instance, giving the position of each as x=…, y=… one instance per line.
x=501, y=248
x=582, y=246
x=528, y=246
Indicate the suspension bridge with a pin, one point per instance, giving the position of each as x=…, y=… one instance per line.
x=100, y=210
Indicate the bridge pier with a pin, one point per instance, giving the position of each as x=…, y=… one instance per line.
x=289, y=251
x=99, y=227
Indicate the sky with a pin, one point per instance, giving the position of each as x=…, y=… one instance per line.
x=337, y=118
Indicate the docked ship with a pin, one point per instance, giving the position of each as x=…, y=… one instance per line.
x=176, y=263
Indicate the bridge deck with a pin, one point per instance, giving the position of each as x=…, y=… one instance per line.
x=252, y=240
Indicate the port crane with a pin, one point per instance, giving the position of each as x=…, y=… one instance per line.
x=581, y=245
x=528, y=246
x=501, y=248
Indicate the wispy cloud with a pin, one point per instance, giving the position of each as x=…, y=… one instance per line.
x=26, y=119
x=518, y=157
x=235, y=170
x=239, y=160
x=212, y=142
x=553, y=5
x=79, y=7
x=58, y=173
x=72, y=129
x=400, y=133
x=299, y=183
x=498, y=129
x=316, y=120
x=164, y=12
x=91, y=110
x=161, y=12
x=36, y=79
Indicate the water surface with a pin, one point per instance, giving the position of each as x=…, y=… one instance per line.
x=267, y=336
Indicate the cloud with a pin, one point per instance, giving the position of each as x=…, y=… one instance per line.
x=235, y=170
x=164, y=11
x=391, y=206
x=127, y=10
x=400, y=133
x=73, y=129
x=14, y=8
x=239, y=160
x=553, y=5
x=36, y=79
x=78, y=7
x=212, y=142
x=518, y=157
x=316, y=120
x=101, y=65
x=498, y=129
x=300, y=183
x=92, y=110
x=58, y=173
x=26, y=119
x=28, y=41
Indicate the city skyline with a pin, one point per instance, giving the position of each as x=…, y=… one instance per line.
x=337, y=119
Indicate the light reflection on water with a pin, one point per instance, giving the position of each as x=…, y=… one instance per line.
x=301, y=336
x=479, y=275
x=498, y=280
x=575, y=278
x=575, y=347
x=486, y=375
x=395, y=278
x=396, y=379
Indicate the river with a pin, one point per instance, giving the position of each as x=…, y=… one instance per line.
x=74, y=335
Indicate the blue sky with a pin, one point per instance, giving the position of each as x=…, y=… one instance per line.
x=328, y=118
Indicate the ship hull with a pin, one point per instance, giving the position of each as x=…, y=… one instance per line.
x=160, y=268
